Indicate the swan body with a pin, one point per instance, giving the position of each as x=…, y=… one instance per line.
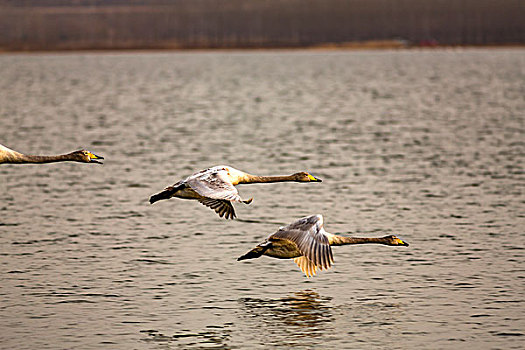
x=306, y=241
x=215, y=187
x=9, y=156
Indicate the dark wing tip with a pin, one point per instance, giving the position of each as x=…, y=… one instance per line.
x=222, y=207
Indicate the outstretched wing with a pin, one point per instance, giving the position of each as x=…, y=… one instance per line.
x=221, y=207
x=307, y=266
x=214, y=183
x=309, y=236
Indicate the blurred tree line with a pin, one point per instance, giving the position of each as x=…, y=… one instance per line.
x=127, y=24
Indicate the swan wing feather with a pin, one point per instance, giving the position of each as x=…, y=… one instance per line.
x=220, y=206
x=311, y=240
x=306, y=265
x=213, y=183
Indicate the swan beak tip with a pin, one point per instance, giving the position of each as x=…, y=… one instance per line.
x=93, y=158
x=314, y=179
x=403, y=243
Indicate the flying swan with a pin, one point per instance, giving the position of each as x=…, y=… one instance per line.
x=309, y=245
x=215, y=187
x=8, y=156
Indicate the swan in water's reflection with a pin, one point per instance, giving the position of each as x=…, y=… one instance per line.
x=215, y=187
x=12, y=157
x=306, y=241
x=304, y=309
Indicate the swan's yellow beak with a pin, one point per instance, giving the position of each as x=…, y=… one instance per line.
x=93, y=158
x=314, y=179
x=401, y=242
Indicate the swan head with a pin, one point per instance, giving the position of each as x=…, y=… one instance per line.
x=85, y=156
x=393, y=240
x=305, y=177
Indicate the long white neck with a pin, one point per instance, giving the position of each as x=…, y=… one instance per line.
x=9, y=156
x=341, y=240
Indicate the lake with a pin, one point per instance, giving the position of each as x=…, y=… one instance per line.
x=428, y=145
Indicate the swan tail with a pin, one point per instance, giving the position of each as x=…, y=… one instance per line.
x=166, y=194
x=256, y=252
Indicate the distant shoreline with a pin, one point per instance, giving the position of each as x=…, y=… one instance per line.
x=354, y=46
x=184, y=25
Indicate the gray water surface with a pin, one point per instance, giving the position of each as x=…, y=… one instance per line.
x=427, y=145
